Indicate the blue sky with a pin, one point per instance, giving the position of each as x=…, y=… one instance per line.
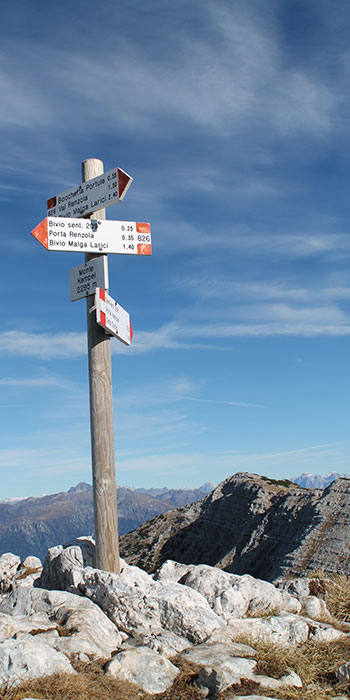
x=232, y=116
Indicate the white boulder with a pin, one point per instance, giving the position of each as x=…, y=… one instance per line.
x=143, y=667
x=87, y=630
x=29, y=658
x=9, y=564
x=230, y=595
x=138, y=604
x=222, y=666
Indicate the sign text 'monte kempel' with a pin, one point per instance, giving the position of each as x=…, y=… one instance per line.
x=89, y=196
x=84, y=278
x=94, y=236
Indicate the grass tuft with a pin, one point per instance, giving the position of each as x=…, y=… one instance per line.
x=338, y=597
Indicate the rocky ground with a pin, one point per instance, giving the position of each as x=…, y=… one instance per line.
x=224, y=629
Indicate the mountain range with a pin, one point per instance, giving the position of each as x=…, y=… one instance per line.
x=315, y=481
x=28, y=526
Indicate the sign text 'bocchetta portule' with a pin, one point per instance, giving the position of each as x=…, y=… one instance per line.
x=89, y=196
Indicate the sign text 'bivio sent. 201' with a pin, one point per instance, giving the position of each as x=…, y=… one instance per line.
x=94, y=236
x=89, y=196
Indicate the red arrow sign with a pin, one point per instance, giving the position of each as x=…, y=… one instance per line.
x=124, y=182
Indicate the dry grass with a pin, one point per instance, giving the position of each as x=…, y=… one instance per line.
x=91, y=683
x=28, y=572
x=338, y=597
x=262, y=612
x=314, y=663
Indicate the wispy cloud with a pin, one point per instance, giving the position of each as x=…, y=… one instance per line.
x=191, y=464
x=246, y=76
x=36, y=382
x=241, y=404
x=278, y=320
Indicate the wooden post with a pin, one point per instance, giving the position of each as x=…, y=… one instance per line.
x=101, y=420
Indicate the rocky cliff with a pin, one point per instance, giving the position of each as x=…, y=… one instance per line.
x=252, y=524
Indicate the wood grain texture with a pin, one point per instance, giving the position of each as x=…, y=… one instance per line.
x=101, y=420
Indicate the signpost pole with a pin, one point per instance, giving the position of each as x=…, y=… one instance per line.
x=101, y=420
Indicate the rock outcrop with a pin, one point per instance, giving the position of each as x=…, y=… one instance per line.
x=142, y=625
x=251, y=524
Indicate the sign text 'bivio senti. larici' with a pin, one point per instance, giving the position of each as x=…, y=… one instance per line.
x=94, y=236
x=112, y=317
x=89, y=196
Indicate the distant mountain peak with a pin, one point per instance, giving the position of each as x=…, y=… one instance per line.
x=82, y=486
x=207, y=487
x=316, y=481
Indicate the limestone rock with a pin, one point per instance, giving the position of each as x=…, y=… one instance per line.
x=280, y=630
x=222, y=667
x=144, y=667
x=230, y=595
x=137, y=603
x=63, y=565
x=9, y=564
x=314, y=607
x=92, y=633
x=25, y=659
x=13, y=626
x=343, y=672
x=62, y=568
x=166, y=642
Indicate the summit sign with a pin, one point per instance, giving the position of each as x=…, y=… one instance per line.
x=89, y=196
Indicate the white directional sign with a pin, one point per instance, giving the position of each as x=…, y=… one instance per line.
x=113, y=317
x=90, y=236
x=91, y=195
x=84, y=279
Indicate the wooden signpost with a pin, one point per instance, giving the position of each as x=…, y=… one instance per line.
x=65, y=230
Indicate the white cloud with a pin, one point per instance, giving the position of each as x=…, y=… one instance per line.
x=265, y=320
x=44, y=345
